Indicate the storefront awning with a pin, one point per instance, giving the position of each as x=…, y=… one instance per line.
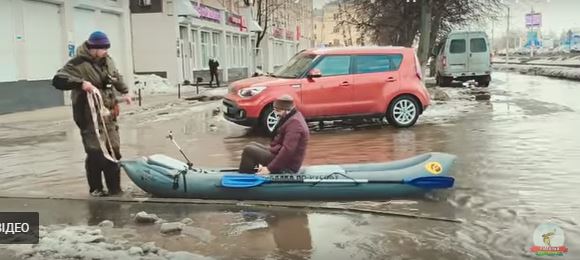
x=255, y=27
x=185, y=8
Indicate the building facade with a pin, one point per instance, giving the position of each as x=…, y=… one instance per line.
x=38, y=37
x=176, y=39
x=171, y=38
x=290, y=29
x=330, y=32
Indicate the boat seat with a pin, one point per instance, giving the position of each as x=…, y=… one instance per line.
x=322, y=169
x=166, y=162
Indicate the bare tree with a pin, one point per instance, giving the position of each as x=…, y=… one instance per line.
x=390, y=22
x=265, y=12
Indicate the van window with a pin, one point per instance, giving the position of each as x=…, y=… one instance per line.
x=377, y=63
x=457, y=46
x=334, y=65
x=477, y=45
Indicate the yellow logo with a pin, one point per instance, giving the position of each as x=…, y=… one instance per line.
x=434, y=168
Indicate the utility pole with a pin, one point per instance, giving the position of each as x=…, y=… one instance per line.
x=492, y=45
x=425, y=34
x=507, y=39
x=532, y=43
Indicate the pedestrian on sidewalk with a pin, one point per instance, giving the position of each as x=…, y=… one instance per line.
x=213, y=71
x=288, y=147
x=90, y=72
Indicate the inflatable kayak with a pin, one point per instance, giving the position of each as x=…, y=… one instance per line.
x=166, y=177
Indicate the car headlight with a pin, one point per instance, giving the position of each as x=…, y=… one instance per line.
x=250, y=92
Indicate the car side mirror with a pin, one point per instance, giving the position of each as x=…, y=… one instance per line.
x=314, y=73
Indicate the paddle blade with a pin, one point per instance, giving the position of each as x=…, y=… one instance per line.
x=242, y=181
x=432, y=182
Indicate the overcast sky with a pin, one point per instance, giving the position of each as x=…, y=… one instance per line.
x=557, y=15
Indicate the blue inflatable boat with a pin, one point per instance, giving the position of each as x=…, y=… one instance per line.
x=166, y=177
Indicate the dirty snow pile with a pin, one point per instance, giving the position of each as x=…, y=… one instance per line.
x=557, y=72
x=450, y=103
x=84, y=242
x=153, y=84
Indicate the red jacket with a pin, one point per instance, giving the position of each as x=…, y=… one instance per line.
x=289, y=144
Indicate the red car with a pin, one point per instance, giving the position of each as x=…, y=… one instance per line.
x=335, y=84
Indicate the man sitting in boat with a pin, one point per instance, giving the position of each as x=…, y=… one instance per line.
x=288, y=147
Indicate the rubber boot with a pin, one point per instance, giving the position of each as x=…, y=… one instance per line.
x=94, y=169
x=113, y=178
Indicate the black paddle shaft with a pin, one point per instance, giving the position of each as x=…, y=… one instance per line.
x=189, y=163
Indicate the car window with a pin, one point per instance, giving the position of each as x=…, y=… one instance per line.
x=334, y=65
x=296, y=66
x=477, y=45
x=377, y=63
x=457, y=46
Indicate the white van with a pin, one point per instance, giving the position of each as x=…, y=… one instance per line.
x=463, y=56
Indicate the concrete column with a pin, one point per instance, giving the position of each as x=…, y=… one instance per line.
x=69, y=38
x=128, y=44
x=190, y=51
x=269, y=54
x=198, y=49
x=249, y=56
x=17, y=11
x=223, y=47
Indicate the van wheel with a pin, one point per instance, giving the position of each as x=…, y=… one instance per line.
x=483, y=82
x=269, y=120
x=403, y=112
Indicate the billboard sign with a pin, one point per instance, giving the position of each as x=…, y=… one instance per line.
x=533, y=19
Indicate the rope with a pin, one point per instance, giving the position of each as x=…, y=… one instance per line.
x=95, y=100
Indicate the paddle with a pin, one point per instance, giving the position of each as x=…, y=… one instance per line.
x=249, y=181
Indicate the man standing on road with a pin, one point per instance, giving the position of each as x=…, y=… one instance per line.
x=90, y=72
x=287, y=149
x=213, y=71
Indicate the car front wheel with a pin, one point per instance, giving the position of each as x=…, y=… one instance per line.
x=403, y=112
x=269, y=120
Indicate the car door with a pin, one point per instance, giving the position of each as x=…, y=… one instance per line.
x=479, y=60
x=375, y=77
x=331, y=93
x=457, y=56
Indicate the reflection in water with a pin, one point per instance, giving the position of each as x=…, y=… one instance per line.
x=291, y=234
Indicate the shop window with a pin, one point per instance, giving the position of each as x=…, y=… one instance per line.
x=205, y=49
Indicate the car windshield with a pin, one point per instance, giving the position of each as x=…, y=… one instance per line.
x=295, y=67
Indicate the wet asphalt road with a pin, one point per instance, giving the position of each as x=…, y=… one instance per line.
x=517, y=168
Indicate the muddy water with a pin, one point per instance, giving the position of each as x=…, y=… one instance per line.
x=517, y=168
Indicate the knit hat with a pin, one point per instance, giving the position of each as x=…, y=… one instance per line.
x=98, y=40
x=285, y=102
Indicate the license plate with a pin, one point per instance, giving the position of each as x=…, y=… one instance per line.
x=225, y=109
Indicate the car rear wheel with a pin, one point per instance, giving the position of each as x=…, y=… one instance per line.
x=269, y=120
x=403, y=112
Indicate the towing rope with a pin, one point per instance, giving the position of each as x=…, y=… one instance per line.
x=98, y=111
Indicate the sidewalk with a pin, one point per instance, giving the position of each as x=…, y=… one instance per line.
x=61, y=113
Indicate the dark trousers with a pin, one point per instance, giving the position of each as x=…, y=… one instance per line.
x=254, y=154
x=95, y=164
x=214, y=74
